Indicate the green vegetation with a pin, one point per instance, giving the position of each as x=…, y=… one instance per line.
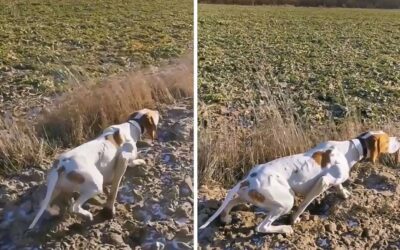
x=45, y=44
x=321, y=63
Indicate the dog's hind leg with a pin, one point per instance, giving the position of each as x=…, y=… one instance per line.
x=276, y=208
x=84, y=196
x=274, y=194
x=92, y=185
x=225, y=216
x=267, y=227
x=55, y=194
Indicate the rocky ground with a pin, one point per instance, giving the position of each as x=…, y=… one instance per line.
x=369, y=219
x=154, y=204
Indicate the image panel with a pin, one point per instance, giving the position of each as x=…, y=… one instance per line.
x=298, y=142
x=96, y=128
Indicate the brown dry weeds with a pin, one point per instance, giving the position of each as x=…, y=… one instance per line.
x=227, y=150
x=88, y=108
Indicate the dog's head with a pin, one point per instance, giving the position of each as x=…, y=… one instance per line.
x=148, y=120
x=378, y=143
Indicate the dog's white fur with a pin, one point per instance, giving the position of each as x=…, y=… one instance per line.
x=102, y=161
x=273, y=185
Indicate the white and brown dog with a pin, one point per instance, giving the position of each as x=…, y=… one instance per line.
x=273, y=185
x=102, y=161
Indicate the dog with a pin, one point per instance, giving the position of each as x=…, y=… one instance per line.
x=102, y=161
x=273, y=185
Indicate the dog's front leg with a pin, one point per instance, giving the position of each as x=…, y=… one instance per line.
x=123, y=158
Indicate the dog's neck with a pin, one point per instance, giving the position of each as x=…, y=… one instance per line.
x=136, y=129
x=357, y=151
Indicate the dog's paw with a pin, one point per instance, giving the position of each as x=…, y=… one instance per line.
x=287, y=230
x=138, y=162
x=294, y=219
x=108, y=213
x=89, y=216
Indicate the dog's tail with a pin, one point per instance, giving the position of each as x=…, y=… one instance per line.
x=51, y=184
x=228, y=198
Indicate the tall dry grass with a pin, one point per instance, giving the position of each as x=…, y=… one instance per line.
x=226, y=151
x=88, y=108
x=20, y=147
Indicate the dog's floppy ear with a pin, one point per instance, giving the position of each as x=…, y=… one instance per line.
x=150, y=126
x=383, y=144
x=373, y=146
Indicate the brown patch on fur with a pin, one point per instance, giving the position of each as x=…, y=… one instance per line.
x=253, y=174
x=245, y=183
x=256, y=196
x=322, y=158
x=75, y=177
x=115, y=138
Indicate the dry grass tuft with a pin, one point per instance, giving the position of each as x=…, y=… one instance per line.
x=20, y=147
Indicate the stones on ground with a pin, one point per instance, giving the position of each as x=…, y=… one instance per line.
x=331, y=227
x=182, y=129
x=139, y=170
x=185, y=210
x=32, y=174
x=116, y=239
